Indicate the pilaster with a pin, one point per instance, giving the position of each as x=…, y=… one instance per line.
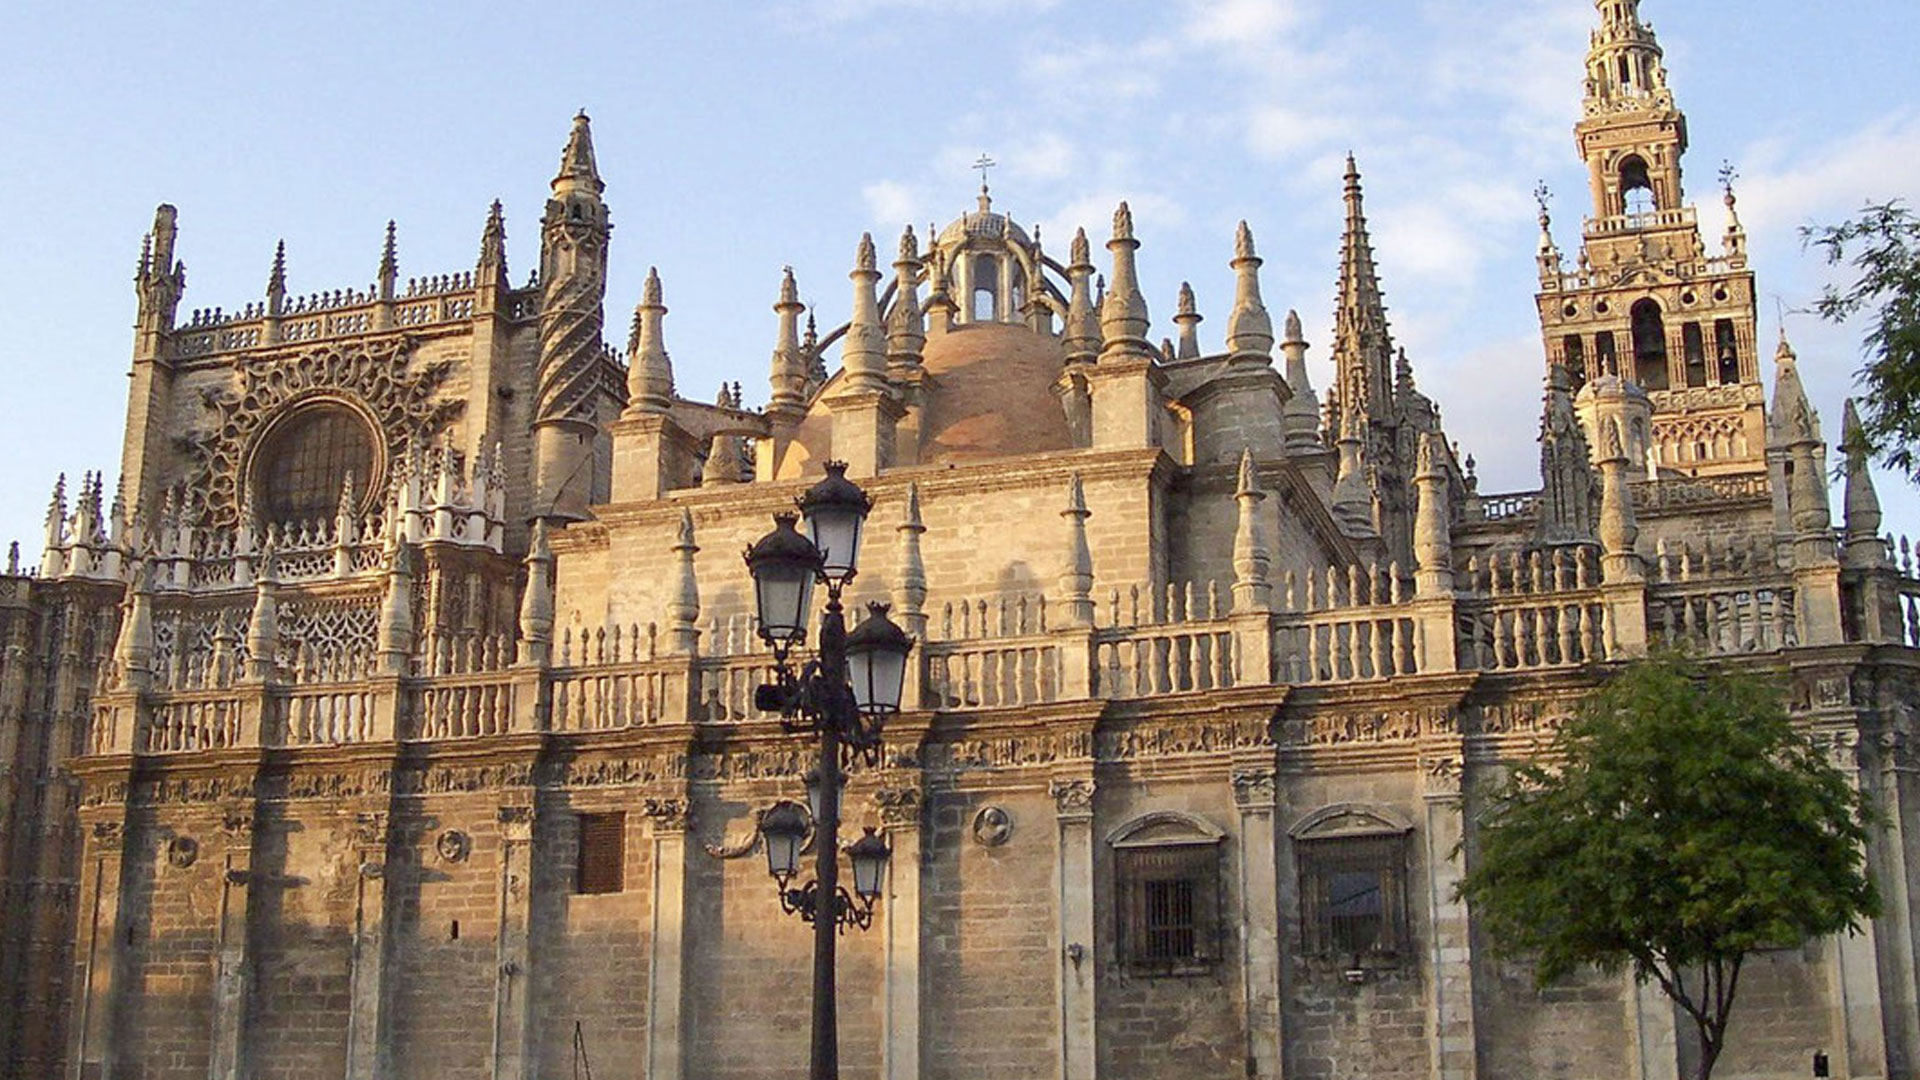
x=1253, y=796
x=233, y=965
x=864, y=423
x=1076, y=942
x=100, y=957
x=1452, y=1041
x=366, y=985
x=1656, y=1035
x=1852, y=967
x=1126, y=397
x=900, y=819
x=512, y=987
x=652, y=456
x=1887, y=854
x=667, y=1042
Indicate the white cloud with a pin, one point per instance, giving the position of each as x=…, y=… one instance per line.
x=1240, y=23
x=1281, y=133
x=846, y=10
x=1094, y=212
x=1784, y=188
x=893, y=203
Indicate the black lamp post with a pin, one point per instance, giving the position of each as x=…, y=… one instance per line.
x=842, y=696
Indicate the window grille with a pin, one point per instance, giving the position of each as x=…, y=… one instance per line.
x=308, y=458
x=1169, y=906
x=1353, y=897
x=602, y=854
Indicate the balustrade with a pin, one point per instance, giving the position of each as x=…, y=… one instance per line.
x=192, y=722
x=328, y=715
x=1000, y=674
x=460, y=708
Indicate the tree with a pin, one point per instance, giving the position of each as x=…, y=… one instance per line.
x=1679, y=823
x=1882, y=245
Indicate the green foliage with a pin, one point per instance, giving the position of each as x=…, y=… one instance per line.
x=1882, y=245
x=1681, y=823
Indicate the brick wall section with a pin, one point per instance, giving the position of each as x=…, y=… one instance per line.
x=442, y=988
x=300, y=914
x=170, y=1021
x=1569, y=1031
x=988, y=954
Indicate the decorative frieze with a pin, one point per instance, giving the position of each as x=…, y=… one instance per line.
x=1253, y=789
x=1072, y=798
x=667, y=815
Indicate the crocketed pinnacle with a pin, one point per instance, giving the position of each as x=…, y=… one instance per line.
x=1083, y=317
x=389, y=263
x=577, y=166
x=788, y=376
x=277, y=279
x=1187, y=316
x=1862, y=501
x=864, y=355
x=493, y=244
x=906, y=329
x=1362, y=346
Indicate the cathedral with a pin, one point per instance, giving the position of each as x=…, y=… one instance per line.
x=394, y=714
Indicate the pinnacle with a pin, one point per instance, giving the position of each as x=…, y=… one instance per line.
x=1243, y=242
x=1123, y=222
x=909, y=245
x=577, y=160
x=864, y=258
x=1079, y=252
x=650, y=293
x=1186, y=305
x=789, y=289
x=1295, y=335
x=277, y=277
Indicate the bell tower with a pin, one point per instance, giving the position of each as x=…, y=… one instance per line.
x=1647, y=320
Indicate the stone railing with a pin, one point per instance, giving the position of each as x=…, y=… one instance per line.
x=430, y=301
x=207, y=720
x=1720, y=619
x=1513, y=506
x=1673, y=494
x=993, y=673
x=459, y=707
x=327, y=715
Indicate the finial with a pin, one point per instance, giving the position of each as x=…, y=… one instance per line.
x=1079, y=252
x=1186, y=305
x=864, y=258
x=983, y=164
x=1249, y=481
x=1243, y=242
x=577, y=160
x=1295, y=335
x=493, y=242
x=909, y=245
x=789, y=289
x=650, y=292
x=1123, y=222
x=1353, y=171
x=1541, y=196
x=277, y=277
x=389, y=254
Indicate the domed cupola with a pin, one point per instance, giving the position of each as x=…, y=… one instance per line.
x=992, y=266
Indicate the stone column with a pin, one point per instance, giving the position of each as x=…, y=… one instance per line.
x=1077, y=957
x=1449, y=947
x=900, y=816
x=512, y=997
x=232, y=966
x=1253, y=795
x=366, y=997
x=1655, y=1034
x=99, y=956
x=666, y=952
x=1887, y=851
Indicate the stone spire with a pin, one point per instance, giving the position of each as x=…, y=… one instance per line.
x=396, y=610
x=1619, y=529
x=649, y=370
x=1352, y=498
x=906, y=327
x=1187, y=317
x=1433, y=521
x=536, y=603
x=1249, y=328
x=1301, y=418
x=788, y=376
x=53, y=559
x=864, y=353
x=133, y=651
x=683, y=605
x=160, y=282
x=573, y=272
x=1082, y=332
x=1565, y=513
x=1123, y=317
x=1076, y=569
x=1252, y=591
x=389, y=264
x=263, y=628
x=910, y=587
x=492, y=264
x=1552, y=265
x=1362, y=346
x=941, y=307
x=277, y=281
x=1865, y=550
x=1794, y=419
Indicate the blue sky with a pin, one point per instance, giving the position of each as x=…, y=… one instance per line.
x=739, y=137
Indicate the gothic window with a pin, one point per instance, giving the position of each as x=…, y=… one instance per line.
x=1649, y=346
x=1694, y=346
x=601, y=867
x=1727, y=349
x=307, y=458
x=1166, y=878
x=1636, y=187
x=1352, y=862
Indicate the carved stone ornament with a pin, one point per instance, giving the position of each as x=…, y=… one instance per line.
x=109, y=835
x=1253, y=789
x=236, y=824
x=899, y=807
x=667, y=815
x=738, y=846
x=992, y=826
x=1072, y=798
x=182, y=852
x=370, y=829
x=453, y=846
x=1442, y=775
x=374, y=378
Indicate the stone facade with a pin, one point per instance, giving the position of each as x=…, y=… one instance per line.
x=395, y=716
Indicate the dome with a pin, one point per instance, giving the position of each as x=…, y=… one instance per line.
x=983, y=224
x=989, y=394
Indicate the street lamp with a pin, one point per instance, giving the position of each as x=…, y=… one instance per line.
x=842, y=696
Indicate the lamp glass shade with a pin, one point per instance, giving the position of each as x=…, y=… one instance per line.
x=813, y=793
x=877, y=653
x=836, y=513
x=869, y=856
x=784, y=828
x=783, y=564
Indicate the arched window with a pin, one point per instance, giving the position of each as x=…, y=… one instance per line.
x=1649, y=346
x=1166, y=878
x=984, y=306
x=1636, y=187
x=1726, y=349
x=1352, y=862
x=307, y=458
x=1574, y=350
x=1608, y=356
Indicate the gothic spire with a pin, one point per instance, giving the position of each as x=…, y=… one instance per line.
x=864, y=354
x=1362, y=346
x=1301, y=419
x=577, y=167
x=277, y=280
x=788, y=376
x=1864, y=547
x=1082, y=332
x=389, y=263
x=1566, y=477
x=1123, y=316
x=1187, y=317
